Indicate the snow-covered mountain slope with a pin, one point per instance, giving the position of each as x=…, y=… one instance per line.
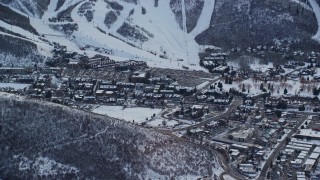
x=316, y=8
x=27, y=7
x=134, y=34
x=47, y=141
x=142, y=30
x=251, y=23
x=162, y=31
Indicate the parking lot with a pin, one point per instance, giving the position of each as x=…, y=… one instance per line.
x=102, y=73
x=184, y=78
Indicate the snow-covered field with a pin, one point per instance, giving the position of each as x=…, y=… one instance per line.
x=294, y=87
x=138, y=114
x=260, y=67
x=227, y=177
x=15, y=86
x=158, y=122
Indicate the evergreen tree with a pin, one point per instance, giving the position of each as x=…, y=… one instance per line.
x=261, y=86
x=48, y=94
x=143, y=10
x=230, y=80
x=315, y=91
x=243, y=89
x=289, y=7
x=164, y=123
x=281, y=105
x=285, y=91
x=189, y=132
x=302, y=108
x=220, y=86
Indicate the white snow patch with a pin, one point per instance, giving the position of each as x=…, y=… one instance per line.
x=159, y=122
x=204, y=19
x=15, y=86
x=138, y=114
x=201, y=86
x=256, y=66
x=227, y=177
x=45, y=166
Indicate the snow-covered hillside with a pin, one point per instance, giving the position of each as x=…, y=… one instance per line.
x=246, y=23
x=141, y=31
x=27, y=7
x=48, y=141
x=159, y=32
x=316, y=9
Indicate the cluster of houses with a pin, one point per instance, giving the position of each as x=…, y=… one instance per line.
x=130, y=65
x=149, y=93
x=26, y=75
x=193, y=112
x=301, y=153
x=250, y=150
x=15, y=71
x=142, y=88
x=215, y=62
x=139, y=86
x=214, y=96
x=246, y=158
x=301, y=103
x=247, y=145
x=95, y=62
x=242, y=135
x=275, y=73
x=302, y=157
x=104, y=62
x=283, y=50
x=262, y=50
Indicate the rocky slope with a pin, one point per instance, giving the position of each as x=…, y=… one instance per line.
x=42, y=140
